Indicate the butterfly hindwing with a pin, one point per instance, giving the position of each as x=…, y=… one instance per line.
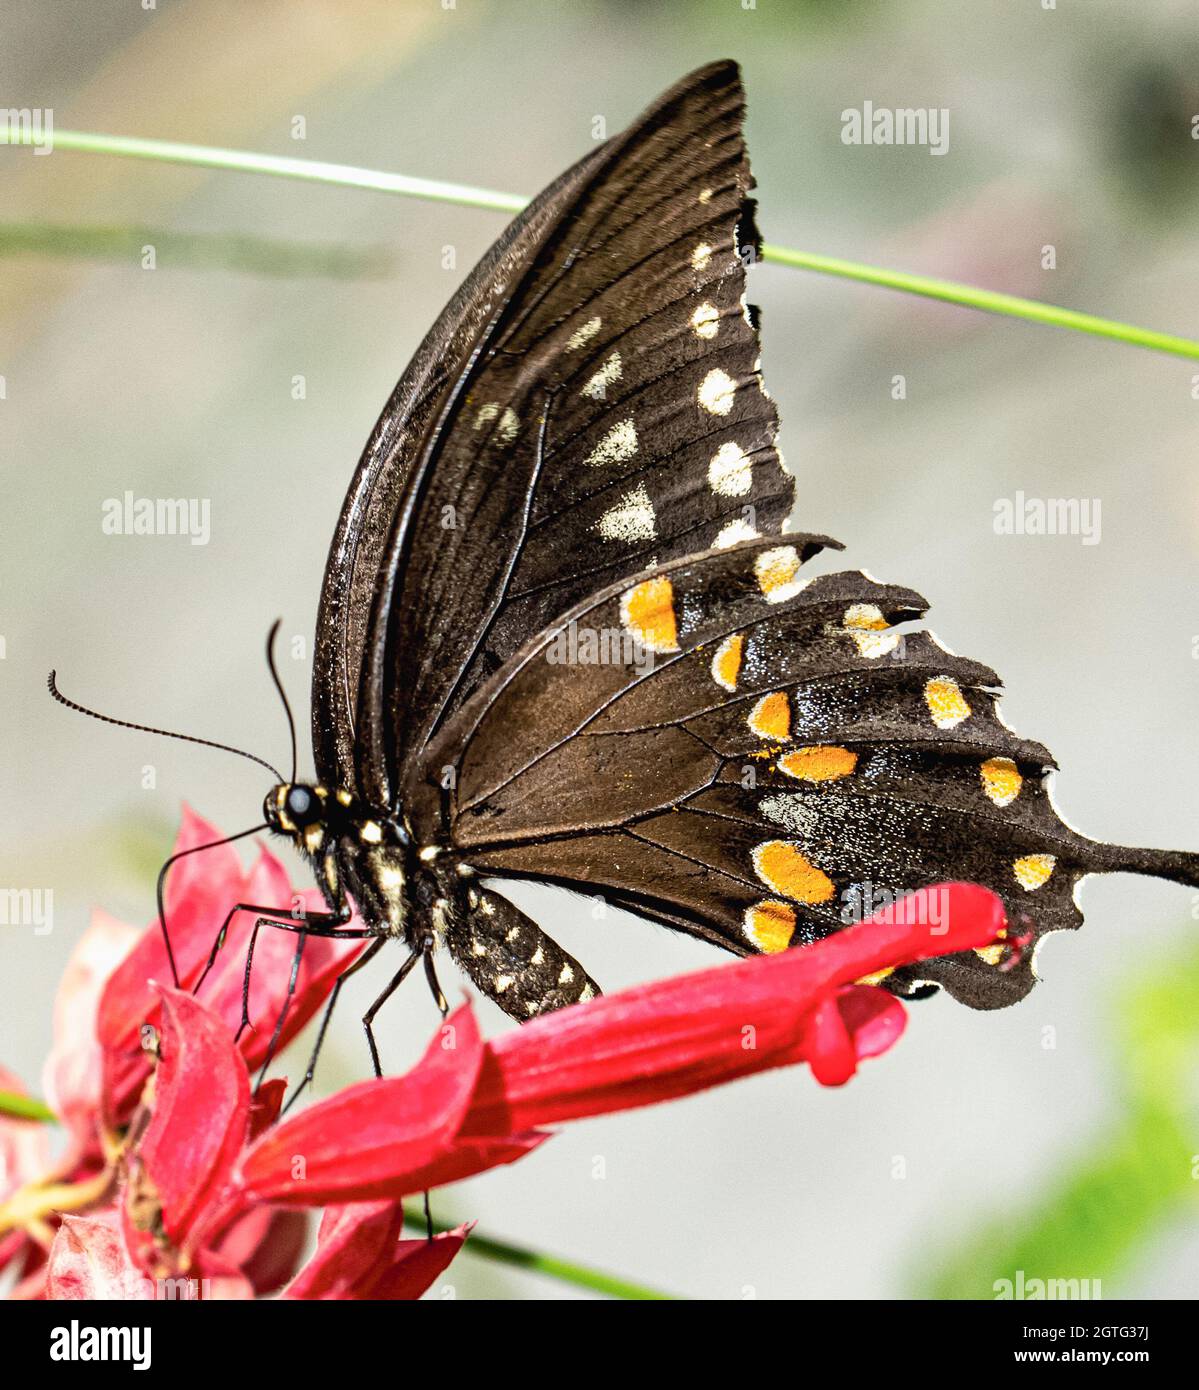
x=794, y=759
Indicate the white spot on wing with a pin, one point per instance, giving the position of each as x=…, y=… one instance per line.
x=706, y=321
x=608, y=375
x=729, y=472
x=701, y=256
x=733, y=533
x=716, y=392
x=582, y=336
x=632, y=519
x=618, y=444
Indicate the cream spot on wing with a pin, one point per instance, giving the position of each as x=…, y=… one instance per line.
x=371, y=831
x=567, y=975
x=477, y=948
x=608, y=375
x=582, y=336
x=1001, y=780
x=945, y=702
x=538, y=957
x=776, y=570
x=705, y=196
x=587, y=992
x=486, y=413
x=618, y=444
x=647, y=611
x=1033, y=870
x=733, y=534
x=390, y=877
x=706, y=321
x=769, y=925
x=872, y=634
x=726, y=664
x=631, y=519
x=716, y=392
x=503, y=982
x=701, y=256
x=730, y=472
x=509, y=426
x=770, y=717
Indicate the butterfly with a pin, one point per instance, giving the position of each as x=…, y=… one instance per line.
x=564, y=634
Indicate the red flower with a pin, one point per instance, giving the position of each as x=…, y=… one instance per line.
x=186, y=1175
x=200, y=891
x=469, y=1105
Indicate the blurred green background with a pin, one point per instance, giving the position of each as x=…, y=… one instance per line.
x=1057, y=1137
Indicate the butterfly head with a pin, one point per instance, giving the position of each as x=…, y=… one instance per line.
x=298, y=810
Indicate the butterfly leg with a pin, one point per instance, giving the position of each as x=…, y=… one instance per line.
x=369, y=1017
x=315, y=919
x=310, y=1071
x=513, y=961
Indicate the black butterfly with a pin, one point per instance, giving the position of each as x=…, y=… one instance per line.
x=563, y=636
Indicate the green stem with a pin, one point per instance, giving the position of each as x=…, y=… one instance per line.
x=26, y=1108
x=989, y=301
x=437, y=190
x=565, y=1270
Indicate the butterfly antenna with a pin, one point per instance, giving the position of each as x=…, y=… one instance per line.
x=270, y=661
x=160, y=891
x=149, y=729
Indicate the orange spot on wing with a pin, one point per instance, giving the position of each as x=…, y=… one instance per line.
x=945, y=702
x=819, y=764
x=1001, y=780
x=647, y=611
x=726, y=664
x=770, y=925
x=782, y=867
x=771, y=716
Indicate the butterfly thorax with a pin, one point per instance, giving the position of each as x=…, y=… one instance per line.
x=399, y=887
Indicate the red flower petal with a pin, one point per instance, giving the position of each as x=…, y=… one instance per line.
x=88, y=1260
x=670, y=1038
x=265, y=1244
x=73, y=1074
x=360, y=1139
x=360, y=1254
x=200, y=892
x=201, y=1109
x=875, y=1018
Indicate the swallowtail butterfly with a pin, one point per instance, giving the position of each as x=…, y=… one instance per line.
x=564, y=636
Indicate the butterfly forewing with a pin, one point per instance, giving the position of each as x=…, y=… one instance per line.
x=603, y=413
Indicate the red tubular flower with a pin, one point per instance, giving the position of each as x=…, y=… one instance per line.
x=469, y=1105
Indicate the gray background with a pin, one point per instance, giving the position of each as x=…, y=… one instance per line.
x=177, y=382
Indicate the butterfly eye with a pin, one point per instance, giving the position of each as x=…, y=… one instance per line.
x=302, y=806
